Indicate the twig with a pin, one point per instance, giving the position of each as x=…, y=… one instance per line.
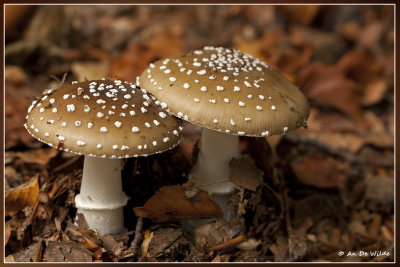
x=38, y=254
x=65, y=164
x=138, y=235
x=231, y=243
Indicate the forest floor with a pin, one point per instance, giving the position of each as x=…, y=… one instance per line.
x=325, y=193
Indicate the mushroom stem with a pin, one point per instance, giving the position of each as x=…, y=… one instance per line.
x=101, y=199
x=212, y=167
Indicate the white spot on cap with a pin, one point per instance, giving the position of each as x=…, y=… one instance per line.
x=78, y=123
x=259, y=108
x=236, y=88
x=175, y=132
x=127, y=96
x=46, y=134
x=266, y=133
x=65, y=96
x=186, y=86
x=162, y=115
x=247, y=119
x=86, y=108
x=196, y=100
x=124, y=148
x=247, y=84
x=99, y=146
x=172, y=79
x=100, y=114
x=132, y=113
x=167, y=71
x=285, y=129
x=135, y=129
x=61, y=138
x=90, y=125
x=201, y=72
x=143, y=110
x=54, y=110
x=154, y=143
x=64, y=124
x=242, y=104
x=140, y=147
x=232, y=122
x=52, y=100
x=41, y=110
x=220, y=88
x=203, y=88
x=273, y=108
x=241, y=133
x=115, y=146
x=163, y=105
x=215, y=121
x=124, y=106
x=261, y=97
x=103, y=129
x=80, y=143
x=212, y=101
x=70, y=107
x=226, y=100
x=147, y=124
x=197, y=64
x=250, y=96
x=156, y=123
x=100, y=101
x=118, y=124
x=166, y=139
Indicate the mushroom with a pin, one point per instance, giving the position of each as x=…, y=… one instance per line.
x=105, y=121
x=229, y=94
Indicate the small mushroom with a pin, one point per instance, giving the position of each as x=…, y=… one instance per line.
x=229, y=94
x=102, y=120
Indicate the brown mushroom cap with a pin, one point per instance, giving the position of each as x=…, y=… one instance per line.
x=225, y=90
x=102, y=118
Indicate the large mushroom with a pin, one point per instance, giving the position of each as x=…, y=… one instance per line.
x=106, y=121
x=229, y=94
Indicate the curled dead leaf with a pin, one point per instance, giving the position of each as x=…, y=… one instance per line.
x=21, y=196
x=244, y=173
x=170, y=204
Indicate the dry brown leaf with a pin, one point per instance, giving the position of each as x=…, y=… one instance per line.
x=7, y=232
x=245, y=174
x=148, y=236
x=320, y=171
x=300, y=14
x=166, y=44
x=21, y=196
x=40, y=156
x=374, y=92
x=90, y=70
x=170, y=204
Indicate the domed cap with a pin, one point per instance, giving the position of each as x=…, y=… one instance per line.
x=225, y=90
x=104, y=118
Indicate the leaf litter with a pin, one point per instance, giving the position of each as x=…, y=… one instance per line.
x=300, y=197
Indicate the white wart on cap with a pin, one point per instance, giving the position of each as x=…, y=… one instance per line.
x=103, y=118
x=228, y=91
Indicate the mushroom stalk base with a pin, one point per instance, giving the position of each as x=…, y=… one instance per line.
x=212, y=167
x=101, y=199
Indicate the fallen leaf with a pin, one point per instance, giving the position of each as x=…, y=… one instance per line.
x=7, y=232
x=212, y=234
x=21, y=196
x=40, y=156
x=244, y=173
x=300, y=14
x=15, y=75
x=89, y=70
x=374, y=92
x=163, y=238
x=158, y=46
x=170, y=204
x=148, y=236
x=66, y=252
x=319, y=170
